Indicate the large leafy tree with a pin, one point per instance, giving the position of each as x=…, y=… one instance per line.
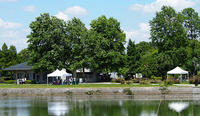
x=132, y=58
x=191, y=22
x=23, y=55
x=170, y=37
x=76, y=34
x=107, y=40
x=147, y=64
x=167, y=31
x=8, y=57
x=47, y=43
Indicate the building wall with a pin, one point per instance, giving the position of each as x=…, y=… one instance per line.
x=30, y=75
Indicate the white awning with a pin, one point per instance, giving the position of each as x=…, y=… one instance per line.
x=55, y=74
x=177, y=70
x=58, y=73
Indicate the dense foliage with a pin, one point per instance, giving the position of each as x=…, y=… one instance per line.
x=54, y=43
x=8, y=57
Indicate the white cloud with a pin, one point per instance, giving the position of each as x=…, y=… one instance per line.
x=8, y=0
x=142, y=34
x=76, y=11
x=30, y=8
x=8, y=25
x=156, y=6
x=12, y=33
x=14, y=37
x=62, y=16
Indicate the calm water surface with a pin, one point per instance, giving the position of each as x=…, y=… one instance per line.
x=95, y=107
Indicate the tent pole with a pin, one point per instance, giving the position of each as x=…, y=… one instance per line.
x=47, y=80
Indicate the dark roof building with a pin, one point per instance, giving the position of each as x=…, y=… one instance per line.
x=19, y=67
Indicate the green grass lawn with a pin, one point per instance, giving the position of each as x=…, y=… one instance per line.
x=72, y=86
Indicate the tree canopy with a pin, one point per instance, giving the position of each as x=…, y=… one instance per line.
x=54, y=43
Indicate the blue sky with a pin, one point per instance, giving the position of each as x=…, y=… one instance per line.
x=134, y=15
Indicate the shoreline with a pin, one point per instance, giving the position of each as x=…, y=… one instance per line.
x=137, y=92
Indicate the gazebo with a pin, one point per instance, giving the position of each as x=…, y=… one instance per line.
x=178, y=71
x=62, y=74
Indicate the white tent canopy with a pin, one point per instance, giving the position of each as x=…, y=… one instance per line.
x=63, y=74
x=177, y=70
x=55, y=74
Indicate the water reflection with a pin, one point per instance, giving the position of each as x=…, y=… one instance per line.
x=178, y=106
x=57, y=108
x=14, y=107
x=144, y=113
x=98, y=107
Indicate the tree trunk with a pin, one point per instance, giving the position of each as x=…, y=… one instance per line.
x=83, y=72
x=74, y=74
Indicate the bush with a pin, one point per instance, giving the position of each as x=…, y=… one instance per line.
x=191, y=81
x=6, y=78
x=118, y=80
x=129, y=82
x=163, y=90
x=136, y=80
x=28, y=82
x=176, y=81
x=169, y=82
x=123, y=81
x=144, y=82
x=113, y=80
x=155, y=81
x=156, y=78
x=1, y=81
x=171, y=78
x=90, y=92
x=33, y=82
x=128, y=91
x=10, y=82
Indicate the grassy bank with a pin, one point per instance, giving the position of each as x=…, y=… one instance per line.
x=73, y=86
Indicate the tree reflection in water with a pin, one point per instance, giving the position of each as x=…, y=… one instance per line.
x=91, y=107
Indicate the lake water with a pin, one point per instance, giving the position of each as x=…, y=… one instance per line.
x=61, y=106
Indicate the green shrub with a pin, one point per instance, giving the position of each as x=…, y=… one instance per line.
x=123, y=81
x=171, y=78
x=144, y=82
x=156, y=78
x=176, y=81
x=6, y=78
x=191, y=81
x=69, y=93
x=118, y=80
x=169, y=82
x=155, y=81
x=90, y=92
x=33, y=82
x=129, y=82
x=164, y=90
x=28, y=82
x=1, y=81
x=128, y=91
x=9, y=81
x=136, y=80
x=113, y=80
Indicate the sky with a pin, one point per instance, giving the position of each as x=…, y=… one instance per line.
x=133, y=15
